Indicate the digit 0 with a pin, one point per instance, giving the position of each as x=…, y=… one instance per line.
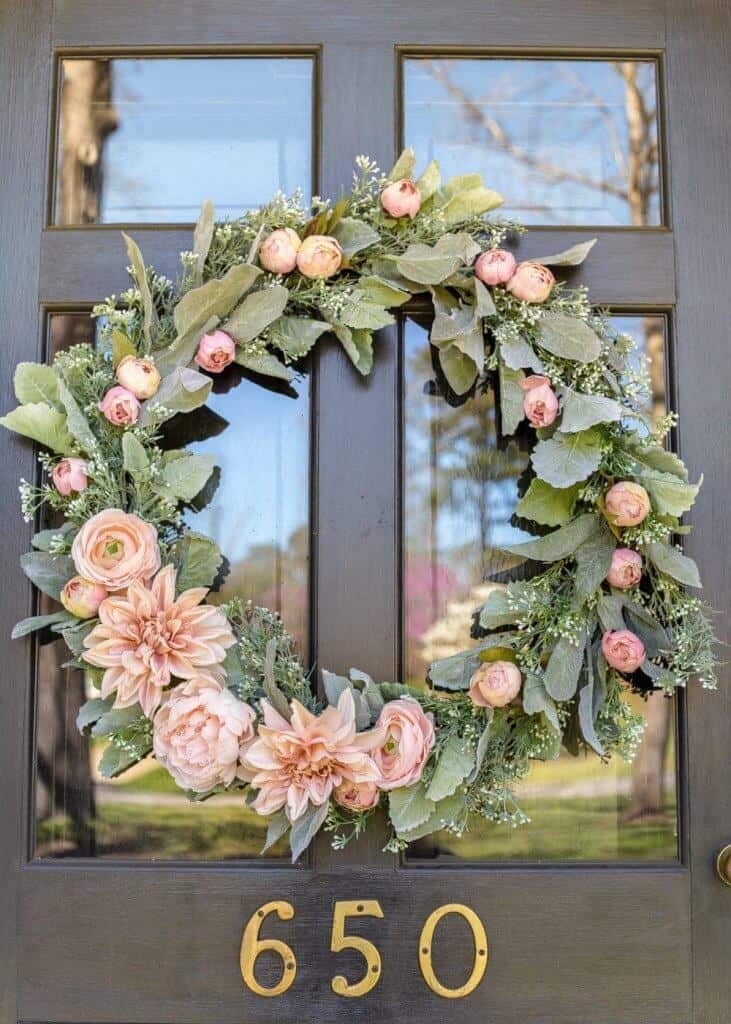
x=425, y=951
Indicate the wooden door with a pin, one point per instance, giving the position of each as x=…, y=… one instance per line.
x=98, y=927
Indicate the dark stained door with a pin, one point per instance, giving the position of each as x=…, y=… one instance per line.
x=104, y=921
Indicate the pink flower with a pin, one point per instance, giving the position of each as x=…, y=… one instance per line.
x=625, y=570
x=114, y=548
x=357, y=796
x=140, y=376
x=495, y=684
x=623, y=650
x=540, y=404
x=82, y=597
x=278, y=252
x=401, y=199
x=496, y=266
x=215, y=351
x=305, y=760
x=626, y=504
x=531, y=282
x=319, y=256
x=148, y=636
x=199, y=734
x=120, y=406
x=70, y=475
x=408, y=737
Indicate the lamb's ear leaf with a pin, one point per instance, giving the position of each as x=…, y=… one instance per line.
x=278, y=825
x=572, y=257
x=50, y=573
x=40, y=423
x=272, y=692
x=149, y=315
x=30, y=625
x=305, y=828
x=35, y=382
x=404, y=166
x=203, y=236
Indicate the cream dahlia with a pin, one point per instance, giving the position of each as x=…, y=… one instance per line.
x=146, y=637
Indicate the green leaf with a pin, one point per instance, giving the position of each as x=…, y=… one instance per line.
x=358, y=345
x=354, y=235
x=134, y=456
x=76, y=421
x=461, y=183
x=564, y=666
x=483, y=299
x=409, y=807
x=609, y=609
x=546, y=505
x=187, y=476
x=653, y=456
x=114, y=761
x=92, y=711
x=455, y=671
x=49, y=573
x=496, y=611
x=536, y=700
x=203, y=236
x=272, y=692
x=30, y=625
x=482, y=744
x=669, y=493
x=295, y=335
x=593, y=561
x=355, y=311
x=428, y=264
x=197, y=559
x=266, y=364
x=404, y=166
x=116, y=719
x=456, y=761
x=568, y=337
x=122, y=346
x=335, y=685
x=581, y=411
x=258, y=310
x=518, y=354
x=42, y=540
x=40, y=423
x=278, y=825
x=559, y=544
x=451, y=809
x=565, y=459
x=35, y=382
x=473, y=202
x=305, y=828
x=381, y=292
x=183, y=390
x=648, y=629
x=460, y=371
x=511, y=399
x=587, y=705
x=236, y=679
x=149, y=316
x=429, y=181
x=572, y=257
x=673, y=563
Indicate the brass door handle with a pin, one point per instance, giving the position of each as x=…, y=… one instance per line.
x=723, y=865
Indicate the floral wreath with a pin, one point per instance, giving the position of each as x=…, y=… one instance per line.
x=215, y=692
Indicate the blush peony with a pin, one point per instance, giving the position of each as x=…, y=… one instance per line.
x=496, y=266
x=625, y=570
x=626, y=504
x=319, y=256
x=115, y=547
x=401, y=199
x=140, y=376
x=82, y=598
x=199, y=734
x=357, y=796
x=120, y=407
x=623, y=650
x=278, y=252
x=540, y=404
x=407, y=741
x=70, y=475
x=215, y=351
x=148, y=636
x=531, y=282
x=495, y=684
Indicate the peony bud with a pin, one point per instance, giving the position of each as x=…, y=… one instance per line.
x=625, y=570
x=140, y=376
x=120, y=407
x=496, y=266
x=626, y=504
x=215, y=351
x=319, y=256
x=623, y=650
x=82, y=597
x=278, y=252
x=70, y=475
x=531, y=282
x=495, y=684
x=357, y=796
x=401, y=199
x=540, y=404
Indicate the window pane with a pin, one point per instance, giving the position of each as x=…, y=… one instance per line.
x=564, y=141
x=149, y=139
x=461, y=489
x=259, y=516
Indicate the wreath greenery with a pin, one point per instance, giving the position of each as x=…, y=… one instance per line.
x=217, y=693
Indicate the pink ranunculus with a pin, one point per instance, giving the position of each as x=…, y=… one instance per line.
x=408, y=738
x=114, y=548
x=623, y=650
x=293, y=764
x=626, y=504
x=149, y=636
x=200, y=732
x=140, y=376
x=626, y=569
x=82, y=597
x=540, y=404
x=120, y=406
x=531, y=282
x=278, y=252
x=319, y=256
x=215, y=351
x=496, y=266
x=70, y=475
x=495, y=684
x=401, y=199
x=357, y=796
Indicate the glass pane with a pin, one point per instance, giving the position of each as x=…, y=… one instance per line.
x=259, y=516
x=461, y=487
x=564, y=141
x=149, y=139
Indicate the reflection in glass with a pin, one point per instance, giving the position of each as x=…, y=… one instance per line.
x=149, y=139
x=460, y=491
x=564, y=141
x=259, y=516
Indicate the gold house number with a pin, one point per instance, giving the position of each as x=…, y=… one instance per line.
x=252, y=946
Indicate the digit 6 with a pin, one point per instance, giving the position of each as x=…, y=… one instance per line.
x=252, y=946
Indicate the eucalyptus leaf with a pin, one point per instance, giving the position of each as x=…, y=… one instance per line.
x=564, y=666
x=40, y=423
x=203, y=236
x=562, y=543
x=536, y=700
x=566, y=459
x=572, y=257
x=134, y=456
x=354, y=235
x=581, y=411
x=186, y=477
x=183, y=390
x=547, y=505
x=456, y=761
x=258, y=310
x=673, y=563
x=266, y=364
x=49, y=573
x=35, y=382
x=305, y=828
x=568, y=338
x=149, y=316
x=511, y=398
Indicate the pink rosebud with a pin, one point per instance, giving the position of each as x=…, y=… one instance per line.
x=82, y=597
x=626, y=504
x=140, y=376
x=401, y=199
x=405, y=737
x=625, y=570
x=357, y=796
x=623, y=650
x=540, y=404
x=278, y=252
x=319, y=256
x=531, y=282
x=215, y=351
x=495, y=684
x=70, y=475
x=120, y=407
x=495, y=267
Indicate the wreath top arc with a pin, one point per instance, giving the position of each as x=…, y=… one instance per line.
x=216, y=692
